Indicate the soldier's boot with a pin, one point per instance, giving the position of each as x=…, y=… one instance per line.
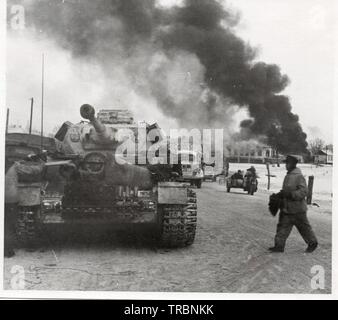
x=276, y=249
x=311, y=247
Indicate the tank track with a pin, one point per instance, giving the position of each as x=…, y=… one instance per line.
x=26, y=226
x=179, y=223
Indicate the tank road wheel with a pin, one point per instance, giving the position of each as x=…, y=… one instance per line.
x=26, y=226
x=178, y=225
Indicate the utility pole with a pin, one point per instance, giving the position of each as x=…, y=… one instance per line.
x=268, y=169
x=310, y=190
x=7, y=119
x=42, y=97
x=31, y=116
x=269, y=175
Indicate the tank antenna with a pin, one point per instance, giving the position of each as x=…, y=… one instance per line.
x=42, y=96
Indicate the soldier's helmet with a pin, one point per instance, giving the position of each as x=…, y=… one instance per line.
x=291, y=158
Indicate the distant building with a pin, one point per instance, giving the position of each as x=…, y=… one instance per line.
x=323, y=157
x=255, y=154
x=20, y=145
x=18, y=128
x=14, y=128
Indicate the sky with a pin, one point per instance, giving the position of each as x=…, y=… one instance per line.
x=295, y=34
x=299, y=36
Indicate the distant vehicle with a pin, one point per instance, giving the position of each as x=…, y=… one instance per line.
x=248, y=183
x=191, y=163
x=209, y=173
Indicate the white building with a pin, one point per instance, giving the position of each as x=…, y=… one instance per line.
x=254, y=153
x=323, y=157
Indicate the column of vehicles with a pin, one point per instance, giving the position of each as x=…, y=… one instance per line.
x=195, y=170
x=83, y=183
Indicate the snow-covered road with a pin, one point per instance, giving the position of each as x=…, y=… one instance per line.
x=229, y=254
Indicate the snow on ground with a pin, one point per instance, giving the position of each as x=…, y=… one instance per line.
x=230, y=254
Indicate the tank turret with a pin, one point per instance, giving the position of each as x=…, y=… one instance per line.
x=102, y=134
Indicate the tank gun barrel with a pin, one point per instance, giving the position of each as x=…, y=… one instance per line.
x=88, y=112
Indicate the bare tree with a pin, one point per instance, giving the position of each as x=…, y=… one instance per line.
x=316, y=145
x=329, y=147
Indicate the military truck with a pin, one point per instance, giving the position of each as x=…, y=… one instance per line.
x=87, y=182
x=209, y=173
x=191, y=162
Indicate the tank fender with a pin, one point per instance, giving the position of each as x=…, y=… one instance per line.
x=29, y=194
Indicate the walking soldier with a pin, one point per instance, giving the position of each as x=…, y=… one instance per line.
x=293, y=208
